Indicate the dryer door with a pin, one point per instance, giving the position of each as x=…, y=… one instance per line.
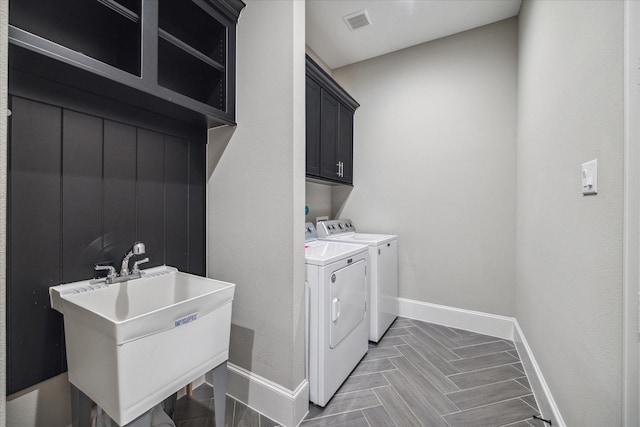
x=347, y=298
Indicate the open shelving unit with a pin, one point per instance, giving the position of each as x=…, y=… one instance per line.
x=182, y=52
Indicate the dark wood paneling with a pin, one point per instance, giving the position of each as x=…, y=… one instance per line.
x=150, y=195
x=119, y=200
x=176, y=190
x=34, y=330
x=81, y=195
x=82, y=189
x=197, y=156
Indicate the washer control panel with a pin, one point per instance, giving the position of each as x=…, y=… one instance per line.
x=310, y=232
x=335, y=227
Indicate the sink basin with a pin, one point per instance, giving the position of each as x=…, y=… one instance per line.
x=132, y=344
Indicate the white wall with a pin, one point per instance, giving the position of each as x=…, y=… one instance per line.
x=46, y=404
x=569, y=247
x=434, y=161
x=318, y=199
x=256, y=194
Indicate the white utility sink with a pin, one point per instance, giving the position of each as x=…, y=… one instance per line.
x=132, y=344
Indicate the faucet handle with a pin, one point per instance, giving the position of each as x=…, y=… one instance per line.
x=136, y=268
x=101, y=266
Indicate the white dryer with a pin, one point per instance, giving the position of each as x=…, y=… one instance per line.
x=337, y=321
x=383, y=280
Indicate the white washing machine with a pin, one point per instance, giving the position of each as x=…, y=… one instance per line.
x=337, y=321
x=383, y=280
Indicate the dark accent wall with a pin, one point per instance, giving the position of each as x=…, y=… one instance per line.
x=83, y=187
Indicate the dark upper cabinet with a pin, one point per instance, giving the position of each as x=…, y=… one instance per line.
x=329, y=121
x=172, y=57
x=345, y=143
x=313, y=127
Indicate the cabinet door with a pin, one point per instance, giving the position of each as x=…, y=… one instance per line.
x=345, y=144
x=329, y=113
x=313, y=128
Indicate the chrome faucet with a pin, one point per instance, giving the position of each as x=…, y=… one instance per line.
x=137, y=249
x=135, y=273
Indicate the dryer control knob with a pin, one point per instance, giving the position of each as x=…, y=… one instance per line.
x=341, y=226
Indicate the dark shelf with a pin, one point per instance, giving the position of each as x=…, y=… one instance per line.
x=182, y=72
x=88, y=27
x=190, y=50
x=205, y=33
x=130, y=9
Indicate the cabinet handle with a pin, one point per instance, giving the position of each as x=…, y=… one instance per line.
x=338, y=165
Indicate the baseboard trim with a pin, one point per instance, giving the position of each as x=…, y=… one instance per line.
x=546, y=403
x=469, y=320
x=494, y=325
x=285, y=406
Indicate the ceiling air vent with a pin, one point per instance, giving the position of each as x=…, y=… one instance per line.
x=357, y=20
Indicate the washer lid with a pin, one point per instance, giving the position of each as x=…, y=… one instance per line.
x=322, y=252
x=363, y=238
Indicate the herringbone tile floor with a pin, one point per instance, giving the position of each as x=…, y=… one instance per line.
x=422, y=374
x=418, y=375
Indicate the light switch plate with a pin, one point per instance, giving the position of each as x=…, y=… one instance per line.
x=590, y=177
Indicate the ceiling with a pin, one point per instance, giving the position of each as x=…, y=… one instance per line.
x=396, y=24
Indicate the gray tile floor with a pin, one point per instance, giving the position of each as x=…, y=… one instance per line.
x=197, y=410
x=419, y=374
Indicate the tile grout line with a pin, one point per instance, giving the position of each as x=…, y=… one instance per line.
x=486, y=369
x=485, y=385
x=421, y=373
x=347, y=411
x=484, y=343
x=405, y=403
x=535, y=409
x=492, y=403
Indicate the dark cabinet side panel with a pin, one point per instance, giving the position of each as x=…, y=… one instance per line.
x=33, y=329
x=119, y=200
x=150, y=204
x=197, y=153
x=345, y=143
x=313, y=127
x=176, y=190
x=81, y=194
x=328, y=136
